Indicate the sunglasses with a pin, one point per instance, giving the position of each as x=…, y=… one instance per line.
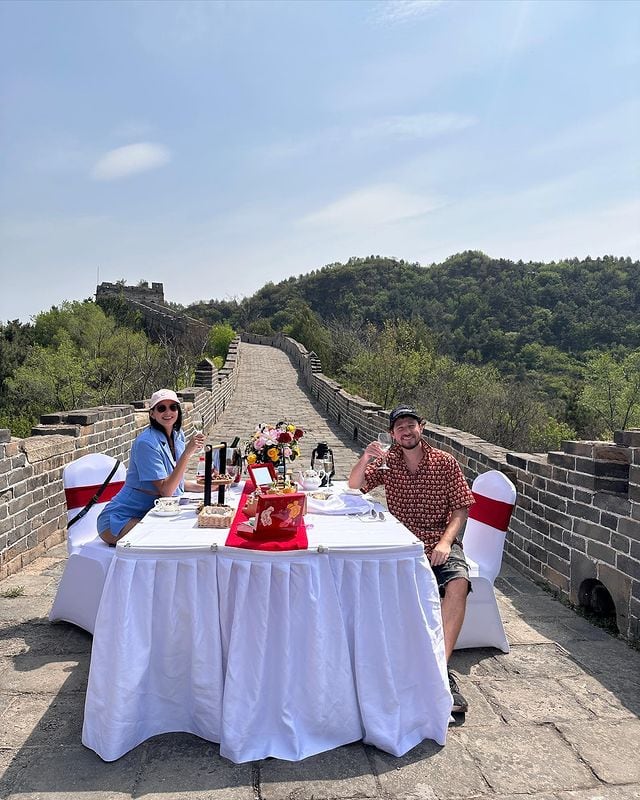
x=162, y=408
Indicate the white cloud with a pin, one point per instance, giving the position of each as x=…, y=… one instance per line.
x=415, y=126
x=128, y=160
x=392, y=11
x=371, y=207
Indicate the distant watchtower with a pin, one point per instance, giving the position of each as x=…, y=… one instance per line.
x=160, y=321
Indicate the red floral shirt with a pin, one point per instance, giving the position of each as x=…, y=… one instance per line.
x=424, y=501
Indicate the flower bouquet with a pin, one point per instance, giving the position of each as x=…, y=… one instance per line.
x=274, y=444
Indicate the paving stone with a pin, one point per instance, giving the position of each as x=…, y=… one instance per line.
x=37, y=720
x=60, y=773
x=617, y=698
x=560, y=666
x=342, y=773
x=182, y=766
x=43, y=639
x=526, y=759
x=609, y=748
x=430, y=770
x=535, y=700
x=39, y=674
x=481, y=711
x=521, y=631
x=17, y=610
x=539, y=660
x=605, y=658
x=12, y=764
x=631, y=792
x=478, y=663
x=534, y=607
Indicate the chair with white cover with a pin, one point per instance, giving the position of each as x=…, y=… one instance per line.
x=483, y=543
x=82, y=581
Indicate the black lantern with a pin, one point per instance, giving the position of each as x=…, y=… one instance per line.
x=323, y=454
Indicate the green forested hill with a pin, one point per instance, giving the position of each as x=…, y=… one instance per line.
x=480, y=309
x=558, y=342
x=522, y=354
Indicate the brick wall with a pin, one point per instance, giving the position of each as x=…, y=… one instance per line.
x=576, y=524
x=32, y=504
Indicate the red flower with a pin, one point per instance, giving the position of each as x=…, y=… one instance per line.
x=284, y=437
x=298, y=433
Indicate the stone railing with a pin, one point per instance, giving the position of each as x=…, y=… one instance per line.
x=32, y=503
x=576, y=525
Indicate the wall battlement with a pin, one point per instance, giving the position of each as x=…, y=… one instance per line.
x=160, y=320
x=576, y=525
x=575, y=528
x=33, y=512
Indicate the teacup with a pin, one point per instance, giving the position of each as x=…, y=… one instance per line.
x=167, y=504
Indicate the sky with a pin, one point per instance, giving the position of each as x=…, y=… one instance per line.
x=217, y=146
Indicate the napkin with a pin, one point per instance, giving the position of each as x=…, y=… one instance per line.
x=339, y=504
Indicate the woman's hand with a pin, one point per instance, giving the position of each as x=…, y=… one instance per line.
x=196, y=443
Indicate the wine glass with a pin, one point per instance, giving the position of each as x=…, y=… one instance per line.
x=385, y=441
x=327, y=468
x=197, y=423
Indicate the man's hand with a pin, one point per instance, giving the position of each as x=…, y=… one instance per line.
x=440, y=554
x=374, y=450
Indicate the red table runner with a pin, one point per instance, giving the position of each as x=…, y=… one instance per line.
x=260, y=541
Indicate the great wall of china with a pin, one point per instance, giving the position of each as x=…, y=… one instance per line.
x=575, y=529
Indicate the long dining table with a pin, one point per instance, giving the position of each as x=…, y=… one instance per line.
x=281, y=654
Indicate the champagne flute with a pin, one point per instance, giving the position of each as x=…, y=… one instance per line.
x=385, y=440
x=327, y=469
x=197, y=423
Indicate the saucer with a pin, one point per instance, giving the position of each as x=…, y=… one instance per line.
x=159, y=513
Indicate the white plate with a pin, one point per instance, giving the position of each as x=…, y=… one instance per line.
x=158, y=513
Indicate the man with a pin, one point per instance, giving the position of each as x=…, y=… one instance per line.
x=427, y=492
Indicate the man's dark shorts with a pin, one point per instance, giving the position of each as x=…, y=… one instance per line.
x=454, y=567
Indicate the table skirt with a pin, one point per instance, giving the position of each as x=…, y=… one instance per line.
x=269, y=655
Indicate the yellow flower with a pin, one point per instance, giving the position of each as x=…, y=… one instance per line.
x=273, y=453
x=252, y=458
x=291, y=428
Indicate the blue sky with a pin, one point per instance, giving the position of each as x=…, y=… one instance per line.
x=215, y=146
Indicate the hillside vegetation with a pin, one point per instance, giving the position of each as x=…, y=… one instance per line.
x=522, y=354
x=565, y=335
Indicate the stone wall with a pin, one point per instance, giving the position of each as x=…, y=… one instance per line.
x=160, y=321
x=32, y=503
x=576, y=526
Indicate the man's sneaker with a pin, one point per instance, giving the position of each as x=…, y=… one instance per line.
x=460, y=705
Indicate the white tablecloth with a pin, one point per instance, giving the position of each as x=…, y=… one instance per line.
x=269, y=654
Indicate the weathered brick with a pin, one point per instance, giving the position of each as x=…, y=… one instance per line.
x=583, y=511
x=621, y=544
x=557, y=517
x=630, y=566
x=590, y=531
x=602, y=552
x=609, y=521
x=562, y=460
x=613, y=503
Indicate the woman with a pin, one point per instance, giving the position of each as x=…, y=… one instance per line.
x=159, y=459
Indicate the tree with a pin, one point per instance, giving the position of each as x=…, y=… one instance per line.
x=220, y=337
x=612, y=391
x=390, y=368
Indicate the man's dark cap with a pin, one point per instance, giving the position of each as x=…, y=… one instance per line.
x=402, y=411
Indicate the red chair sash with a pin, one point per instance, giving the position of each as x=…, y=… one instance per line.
x=494, y=513
x=79, y=496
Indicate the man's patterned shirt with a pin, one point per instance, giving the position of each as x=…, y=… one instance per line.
x=424, y=501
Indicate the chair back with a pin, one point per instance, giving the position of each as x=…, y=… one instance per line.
x=488, y=521
x=81, y=480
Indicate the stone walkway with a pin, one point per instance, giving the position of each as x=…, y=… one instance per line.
x=556, y=719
